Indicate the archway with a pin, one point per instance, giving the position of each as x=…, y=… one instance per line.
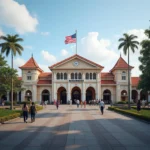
x=3, y=98
x=76, y=94
x=107, y=96
x=134, y=96
x=45, y=95
x=124, y=95
x=28, y=95
x=143, y=95
x=61, y=95
x=90, y=94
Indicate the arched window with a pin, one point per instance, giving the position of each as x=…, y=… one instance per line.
x=65, y=76
x=90, y=75
x=72, y=75
x=87, y=76
x=80, y=76
x=58, y=76
x=76, y=76
x=61, y=75
x=123, y=75
x=94, y=75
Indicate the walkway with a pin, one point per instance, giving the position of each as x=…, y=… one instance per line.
x=70, y=128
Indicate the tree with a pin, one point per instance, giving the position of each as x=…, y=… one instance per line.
x=145, y=63
x=128, y=42
x=11, y=45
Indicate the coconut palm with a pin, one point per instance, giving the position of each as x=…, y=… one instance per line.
x=10, y=45
x=128, y=42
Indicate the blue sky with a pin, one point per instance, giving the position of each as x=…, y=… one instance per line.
x=100, y=23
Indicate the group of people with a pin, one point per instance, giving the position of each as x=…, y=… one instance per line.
x=26, y=110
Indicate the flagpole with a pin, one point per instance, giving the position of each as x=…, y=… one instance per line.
x=76, y=41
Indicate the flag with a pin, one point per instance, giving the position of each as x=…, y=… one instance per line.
x=70, y=39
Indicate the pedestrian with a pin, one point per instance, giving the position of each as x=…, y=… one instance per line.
x=25, y=112
x=57, y=104
x=102, y=106
x=85, y=104
x=33, y=112
x=138, y=106
x=78, y=102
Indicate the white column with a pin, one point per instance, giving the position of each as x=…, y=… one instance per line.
x=22, y=96
x=138, y=94
x=118, y=96
x=97, y=86
x=34, y=93
x=83, y=88
x=8, y=98
x=68, y=89
x=17, y=96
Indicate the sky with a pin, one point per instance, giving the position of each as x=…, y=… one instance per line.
x=99, y=23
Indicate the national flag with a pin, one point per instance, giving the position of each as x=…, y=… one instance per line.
x=70, y=39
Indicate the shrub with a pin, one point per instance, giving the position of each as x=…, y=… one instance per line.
x=9, y=103
x=121, y=102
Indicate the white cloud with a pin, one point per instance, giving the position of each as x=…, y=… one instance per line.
x=45, y=33
x=17, y=63
x=28, y=47
x=48, y=57
x=98, y=51
x=17, y=16
x=64, y=52
x=44, y=67
x=1, y=32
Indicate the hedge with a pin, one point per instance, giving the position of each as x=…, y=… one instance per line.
x=128, y=112
x=16, y=114
x=124, y=102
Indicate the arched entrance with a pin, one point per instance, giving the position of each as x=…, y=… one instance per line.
x=143, y=95
x=3, y=98
x=45, y=96
x=76, y=94
x=28, y=95
x=61, y=95
x=90, y=94
x=107, y=96
x=134, y=96
x=124, y=95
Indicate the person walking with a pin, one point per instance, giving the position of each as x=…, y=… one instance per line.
x=33, y=112
x=78, y=102
x=102, y=106
x=85, y=104
x=25, y=112
x=57, y=104
x=138, y=106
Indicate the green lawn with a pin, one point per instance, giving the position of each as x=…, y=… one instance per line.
x=7, y=112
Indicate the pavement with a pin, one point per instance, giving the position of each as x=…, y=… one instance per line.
x=72, y=128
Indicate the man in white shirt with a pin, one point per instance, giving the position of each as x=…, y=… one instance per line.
x=102, y=106
x=78, y=102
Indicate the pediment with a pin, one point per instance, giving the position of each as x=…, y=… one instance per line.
x=76, y=62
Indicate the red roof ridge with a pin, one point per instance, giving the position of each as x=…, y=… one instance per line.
x=31, y=63
x=121, y=64
x=76, y=55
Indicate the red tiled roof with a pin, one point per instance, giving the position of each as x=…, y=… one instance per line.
x=44, y=82
x=76, y=56
x=31, y=64
x=19, y=78
x=106, y=75
x=108, y=82
x=121, y=64
x=45, y=74
x=135, y=81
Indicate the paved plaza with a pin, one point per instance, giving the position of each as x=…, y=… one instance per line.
x=70, y=128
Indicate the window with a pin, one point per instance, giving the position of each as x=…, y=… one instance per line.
x=123, y=75
x=28, y=77
x=72, y=75
x=76, y=76
x=80, y=76
x=58, y=76
x=61, y=75
x=87, y=76
x=94, y=75
x=90, y=75
x=65, y=76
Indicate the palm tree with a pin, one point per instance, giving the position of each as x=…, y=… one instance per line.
x=128, y=42
x=11, y=45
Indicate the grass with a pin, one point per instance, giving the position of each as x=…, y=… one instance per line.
x=7, y=112
x=143, y=114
